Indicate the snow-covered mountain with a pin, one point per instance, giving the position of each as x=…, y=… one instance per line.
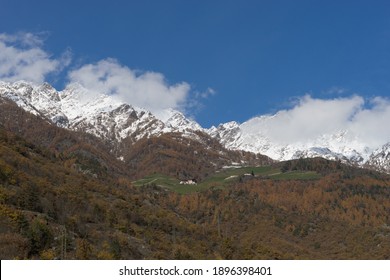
x=257, y=135
x=102, y=115
x=380, y=159
x=106, y=117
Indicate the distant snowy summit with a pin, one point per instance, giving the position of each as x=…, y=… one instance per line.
x=107, y=117
x=257, y=135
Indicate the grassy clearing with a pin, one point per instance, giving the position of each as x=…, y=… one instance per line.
x=226, y=177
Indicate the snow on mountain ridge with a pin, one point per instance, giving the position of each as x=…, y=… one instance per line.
x=103, y=115
x=380, y=159
x=257, y=136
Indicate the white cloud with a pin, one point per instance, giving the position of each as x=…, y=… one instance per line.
x=372, y=123
x=22, y=58
x=364, y=120
x=148, y=90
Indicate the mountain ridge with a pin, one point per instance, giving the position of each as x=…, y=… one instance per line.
x=77, y=108
x=112, y=120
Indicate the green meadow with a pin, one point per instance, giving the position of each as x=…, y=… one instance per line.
x=226, y=177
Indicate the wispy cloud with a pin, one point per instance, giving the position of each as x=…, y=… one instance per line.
x=148, y=90
x=23, y=58
x=335, y=90
x=205, y=94
x=195, y=103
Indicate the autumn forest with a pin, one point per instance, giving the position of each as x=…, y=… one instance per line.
x=66, y=195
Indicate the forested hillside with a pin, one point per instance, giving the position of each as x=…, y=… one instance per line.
x=174, y=155
x=63, y=195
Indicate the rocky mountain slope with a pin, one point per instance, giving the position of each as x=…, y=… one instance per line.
x=380, y=159
x=99, y=114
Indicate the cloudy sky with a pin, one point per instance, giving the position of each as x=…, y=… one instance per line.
x=216, y=61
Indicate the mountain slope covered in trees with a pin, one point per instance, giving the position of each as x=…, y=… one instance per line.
x=63, y=195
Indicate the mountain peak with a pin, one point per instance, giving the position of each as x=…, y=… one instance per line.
x=176, y=119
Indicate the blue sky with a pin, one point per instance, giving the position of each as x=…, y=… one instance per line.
x=220, y=60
